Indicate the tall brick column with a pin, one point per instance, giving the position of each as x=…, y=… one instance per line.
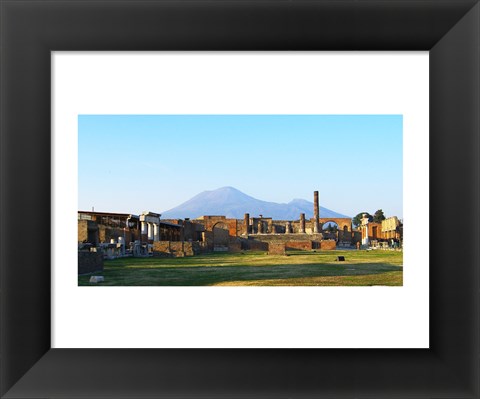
x=246, y=222
x=302, y=223
x=316, y=212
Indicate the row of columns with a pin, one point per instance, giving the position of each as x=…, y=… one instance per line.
x=150, y=225
x=288, y=225
x=151, y=230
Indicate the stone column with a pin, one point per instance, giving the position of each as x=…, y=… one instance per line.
x=156, y=229
x=302, y=223
x=260, y=229
x=246, y=222
x=121, y=243
x=150, y=230
x=287, y=228
x=365, y=234
x=316, y=212
x=144, y=227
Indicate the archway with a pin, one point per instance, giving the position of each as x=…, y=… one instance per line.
x=330, y=230
x=220, y=236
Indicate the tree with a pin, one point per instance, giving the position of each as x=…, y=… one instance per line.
x=331, y=228
x=357, y=220
x=378, y=216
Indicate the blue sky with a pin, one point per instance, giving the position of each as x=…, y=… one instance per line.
x=132, y=163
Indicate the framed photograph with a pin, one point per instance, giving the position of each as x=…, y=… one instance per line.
x=295, y=133
x=108, y=105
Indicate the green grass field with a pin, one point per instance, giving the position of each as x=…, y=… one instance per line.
x=298, y=268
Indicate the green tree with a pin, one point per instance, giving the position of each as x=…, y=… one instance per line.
x=357, y=220
x=378, y=216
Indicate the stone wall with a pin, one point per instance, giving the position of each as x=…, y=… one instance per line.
x=83, y=231
x=199, y=247
x=211, y=221
x=345, y=236
x=240, y=227
x=356, y=237
x=302, y=245
x=107, y=233
x=188, y=248
x=375, y=231
x=176, y=249
x=192, y=231
x=234, y=246
x=161, y=248
x=88, y=232
x=280, y=226
x=254, y=245
x=89, y=262
x=276, y=248
x=287, y=237
x=328, y=245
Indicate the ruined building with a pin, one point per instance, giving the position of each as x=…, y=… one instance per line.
x=118, y=234
x=389, y=229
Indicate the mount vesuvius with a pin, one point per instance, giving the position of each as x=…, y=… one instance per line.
x=232, y=203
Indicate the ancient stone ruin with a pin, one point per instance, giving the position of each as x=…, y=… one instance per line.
x=113, y=235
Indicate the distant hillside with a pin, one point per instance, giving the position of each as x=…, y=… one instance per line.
x=232, y=203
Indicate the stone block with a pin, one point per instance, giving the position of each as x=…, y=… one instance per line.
x=90, y=262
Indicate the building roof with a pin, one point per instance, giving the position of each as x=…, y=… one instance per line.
x=171, y=224
x=108, y=214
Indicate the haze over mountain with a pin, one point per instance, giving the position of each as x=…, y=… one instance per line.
x=232, y=203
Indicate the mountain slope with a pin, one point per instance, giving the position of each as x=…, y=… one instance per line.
x=232, y=203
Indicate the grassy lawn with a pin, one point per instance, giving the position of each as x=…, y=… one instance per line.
x=361, y=268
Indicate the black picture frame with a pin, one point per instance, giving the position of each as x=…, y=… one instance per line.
x=30, y=30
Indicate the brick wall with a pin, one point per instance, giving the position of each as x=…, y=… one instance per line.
x=303, y=245
x=190, y=231
x=176, y=249
x=254, y=245
x=276, y=248
x=288, y=237
x=89, y=262
x=107, y=233
x=341, y=222
x=208, y=239
x=199, y=247
x=230, y=224
x=328, y=245
x=240, y=228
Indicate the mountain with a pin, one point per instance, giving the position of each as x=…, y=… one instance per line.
x=232, y=203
